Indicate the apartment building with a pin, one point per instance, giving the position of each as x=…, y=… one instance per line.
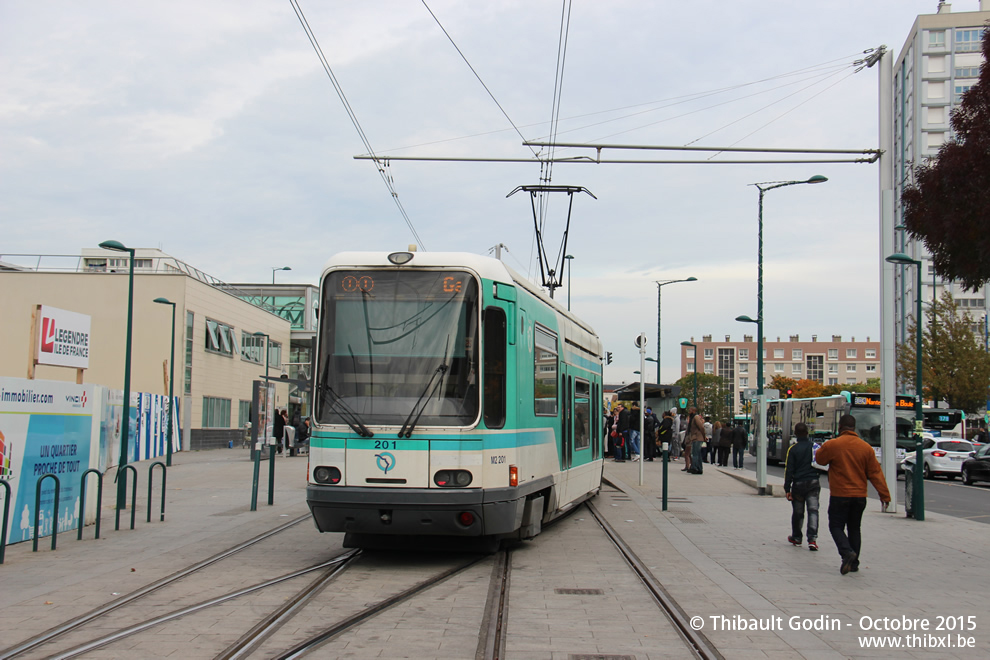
x=835, y=362
x=939, y=61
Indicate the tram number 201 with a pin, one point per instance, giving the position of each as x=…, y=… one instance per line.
x=497, y=460
x=386, y=444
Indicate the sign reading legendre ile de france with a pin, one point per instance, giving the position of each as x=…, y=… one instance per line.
x=63, y=338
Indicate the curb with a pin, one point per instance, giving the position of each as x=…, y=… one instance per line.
x=773, y=490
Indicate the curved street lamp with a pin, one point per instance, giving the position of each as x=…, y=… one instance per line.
x=126, y=422
x=761, y=439
x=662, y=283
x=171, y=383
x=918, y=497
x=695, y=347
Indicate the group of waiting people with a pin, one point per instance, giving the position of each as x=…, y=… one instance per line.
x=690, y=435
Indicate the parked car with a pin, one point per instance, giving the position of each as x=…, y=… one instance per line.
x=976, y=468
x=943, y=456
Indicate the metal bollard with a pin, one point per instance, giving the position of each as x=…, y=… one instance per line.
x=82, y=501
x=133, y=495
x=6, y=515
x=37, y=509
x=151, y=471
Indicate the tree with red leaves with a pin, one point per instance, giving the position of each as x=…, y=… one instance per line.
x=948, y=208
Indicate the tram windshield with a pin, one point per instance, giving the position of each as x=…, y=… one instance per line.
x=398, y=347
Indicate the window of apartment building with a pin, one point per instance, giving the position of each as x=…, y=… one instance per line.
x=187, y=384
x=709, y=368
x=243, y=413
x=216, y=413
x=709, y=353
x=689, y=352
x=936, y=115
x=871, y=354
x=850, y=353
x=778, y=368
x=778, y=353
x=796, y=354
x=967, y=72
x=252, y=347
x=833, y=381
x=850, y=368
x=744, y=382
x=935, y=140
x=871, y=368
x=833, y=368
x=957, y=91
x=219, y=338
x=816, y=365
x=936, y=39
x=690, y=367
x=935, y=90
x=968, y=40
x=936, y=64
x=743, y=353
x=851, y=381
x=833, y=354
x=796, y=368
x=275, y=354
x=744, y=368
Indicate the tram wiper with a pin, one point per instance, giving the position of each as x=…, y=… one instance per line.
x=347, y=413
x=407, y=428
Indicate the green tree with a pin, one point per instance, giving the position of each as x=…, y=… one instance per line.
x=712, y=395
x=948, y=208
x=955, y=367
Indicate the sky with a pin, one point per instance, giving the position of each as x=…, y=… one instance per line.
x=213, y=132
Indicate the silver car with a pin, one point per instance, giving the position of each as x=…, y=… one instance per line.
x=943, y=456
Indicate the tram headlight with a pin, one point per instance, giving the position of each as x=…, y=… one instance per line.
x=326, y=475
x=452, y=478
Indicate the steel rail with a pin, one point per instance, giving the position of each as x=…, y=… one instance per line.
x=355, y=619
x=334, y=566
x=72, y=624
x=491, y=645
x=696, y=641
x=253, y=638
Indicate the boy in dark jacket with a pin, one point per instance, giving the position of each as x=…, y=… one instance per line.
x=802, y=487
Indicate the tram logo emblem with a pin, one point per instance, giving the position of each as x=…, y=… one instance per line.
x=385, y=460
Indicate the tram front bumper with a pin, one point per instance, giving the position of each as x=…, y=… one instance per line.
x=422, y=511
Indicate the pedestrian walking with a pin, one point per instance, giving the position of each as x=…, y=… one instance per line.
x=706, y=450
x=725, y=444
x=740, y=441
x=694, y=442
x=801, y=487
x=852, y=462
x=633, y=431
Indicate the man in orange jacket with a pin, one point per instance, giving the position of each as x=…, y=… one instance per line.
x=851, y=463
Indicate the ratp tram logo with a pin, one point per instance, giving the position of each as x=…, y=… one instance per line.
x=385, y=461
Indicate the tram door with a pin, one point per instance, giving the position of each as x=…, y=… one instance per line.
x=567, y=422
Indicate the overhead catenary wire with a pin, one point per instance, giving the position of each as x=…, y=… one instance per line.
x=382, y=168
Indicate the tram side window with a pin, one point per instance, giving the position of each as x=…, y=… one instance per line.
x=545, y=377
x=582, y=414
x=494, y=368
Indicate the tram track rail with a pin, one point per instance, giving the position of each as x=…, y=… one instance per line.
x=491, y=642
x=342, y=626
x=75, y=623
x=696, y=641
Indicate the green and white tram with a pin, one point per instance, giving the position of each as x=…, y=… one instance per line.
x=451, y=398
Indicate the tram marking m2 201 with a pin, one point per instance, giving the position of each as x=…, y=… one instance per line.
x=498, y=460
x=385, y=461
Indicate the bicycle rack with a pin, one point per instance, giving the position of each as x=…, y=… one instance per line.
x=37, y=510
x=82, y=501
x=6, y=515
x=133, y=495
x=151, y=474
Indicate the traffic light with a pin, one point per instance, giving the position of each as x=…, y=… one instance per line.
x=608, y=358
x=790, y=393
